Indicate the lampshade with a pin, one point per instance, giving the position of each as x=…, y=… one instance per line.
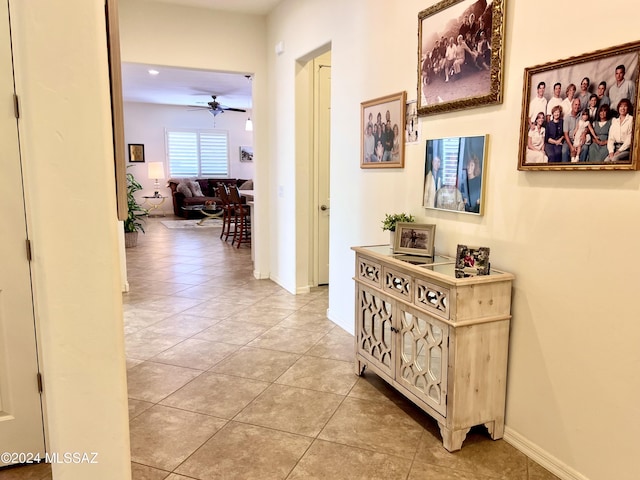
x=155, y=170
x=249, y=125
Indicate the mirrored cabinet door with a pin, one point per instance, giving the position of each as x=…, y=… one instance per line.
x=422, y=362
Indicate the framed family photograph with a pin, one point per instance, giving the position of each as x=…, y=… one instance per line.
x=579, y=113
x=382, y=132
x=414, y=238
x=472, y=261
x=136, y=152
x=460, y=55
x=454, y=174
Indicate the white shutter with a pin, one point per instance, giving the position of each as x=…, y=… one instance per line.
x=198, y=153
x=214, y=154
x=183, y=154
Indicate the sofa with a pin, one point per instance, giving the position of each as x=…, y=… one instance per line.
x=182, y=192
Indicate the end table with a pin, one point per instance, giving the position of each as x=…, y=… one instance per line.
x=154, y=202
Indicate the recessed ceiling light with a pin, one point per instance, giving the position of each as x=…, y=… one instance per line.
x=153, y=72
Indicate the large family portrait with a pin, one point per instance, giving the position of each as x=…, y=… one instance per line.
x=579, y=113
x=455, y=174
x=460, y=55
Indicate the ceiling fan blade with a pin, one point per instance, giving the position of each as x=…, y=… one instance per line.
x=233, y=109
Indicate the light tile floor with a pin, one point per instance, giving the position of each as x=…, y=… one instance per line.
x=234, y=378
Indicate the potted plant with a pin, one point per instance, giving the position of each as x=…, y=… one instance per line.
x=135, y=213
x=390, y=221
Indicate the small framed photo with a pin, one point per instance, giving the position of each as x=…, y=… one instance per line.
x=136, y=153
x=412, y=126
x=472, y=261
x=414, y=238
x=382, y=132
x=580, y=113
x=460, y=55
x=246, y=154
x=455, y=173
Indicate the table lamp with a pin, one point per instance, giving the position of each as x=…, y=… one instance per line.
x=156, y=172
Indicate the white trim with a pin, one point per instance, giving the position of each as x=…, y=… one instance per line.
x=540, y=456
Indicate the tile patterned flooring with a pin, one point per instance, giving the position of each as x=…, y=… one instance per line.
x=234, y=378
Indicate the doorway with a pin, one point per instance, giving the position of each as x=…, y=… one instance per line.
x=313, y=149
x=321, y=167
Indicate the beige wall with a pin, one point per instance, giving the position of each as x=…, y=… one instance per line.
x=574, y=389
x=65, y=130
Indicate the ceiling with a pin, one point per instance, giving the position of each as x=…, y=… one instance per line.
x=254, y=7
x=175, y=86
x=178, y=86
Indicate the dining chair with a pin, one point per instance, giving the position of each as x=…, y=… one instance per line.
x=228, y=212
x=242, y=218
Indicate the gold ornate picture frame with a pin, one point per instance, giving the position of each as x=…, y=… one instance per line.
x=382, y=131
x=457, y=72
x=564, y=89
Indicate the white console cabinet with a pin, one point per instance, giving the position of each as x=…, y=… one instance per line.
x=439, y=340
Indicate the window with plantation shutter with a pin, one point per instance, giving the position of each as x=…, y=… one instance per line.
x=198, y=153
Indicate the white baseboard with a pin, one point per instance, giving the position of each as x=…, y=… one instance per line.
x=540, y=456
x=346, y=326
x=125, y=287
x=260, y=276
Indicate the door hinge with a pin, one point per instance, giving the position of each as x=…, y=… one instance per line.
x=29, y=256
x=39, y=382
x=16, y=105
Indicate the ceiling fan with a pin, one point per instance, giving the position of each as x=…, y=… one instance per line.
x=215, y=107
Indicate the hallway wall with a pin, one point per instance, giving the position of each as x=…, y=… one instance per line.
x=66, y=144
x=573, y=387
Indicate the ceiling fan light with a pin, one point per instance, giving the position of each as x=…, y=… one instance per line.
x=248, y=126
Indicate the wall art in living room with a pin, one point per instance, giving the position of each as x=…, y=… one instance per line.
x=246, y=154
x=136, y=153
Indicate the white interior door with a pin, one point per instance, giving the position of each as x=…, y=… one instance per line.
x=21, y=425
x=322, y=144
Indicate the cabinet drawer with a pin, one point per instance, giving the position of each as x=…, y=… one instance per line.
x=397, y=283
x=369, y=271
x=432, y=298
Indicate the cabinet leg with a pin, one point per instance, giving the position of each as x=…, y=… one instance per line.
x=496, y=429
x=452, y=439
x=360, y=368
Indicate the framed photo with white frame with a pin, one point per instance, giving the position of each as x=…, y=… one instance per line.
x=414, y=238
x=246, y=154
x=455, y=173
